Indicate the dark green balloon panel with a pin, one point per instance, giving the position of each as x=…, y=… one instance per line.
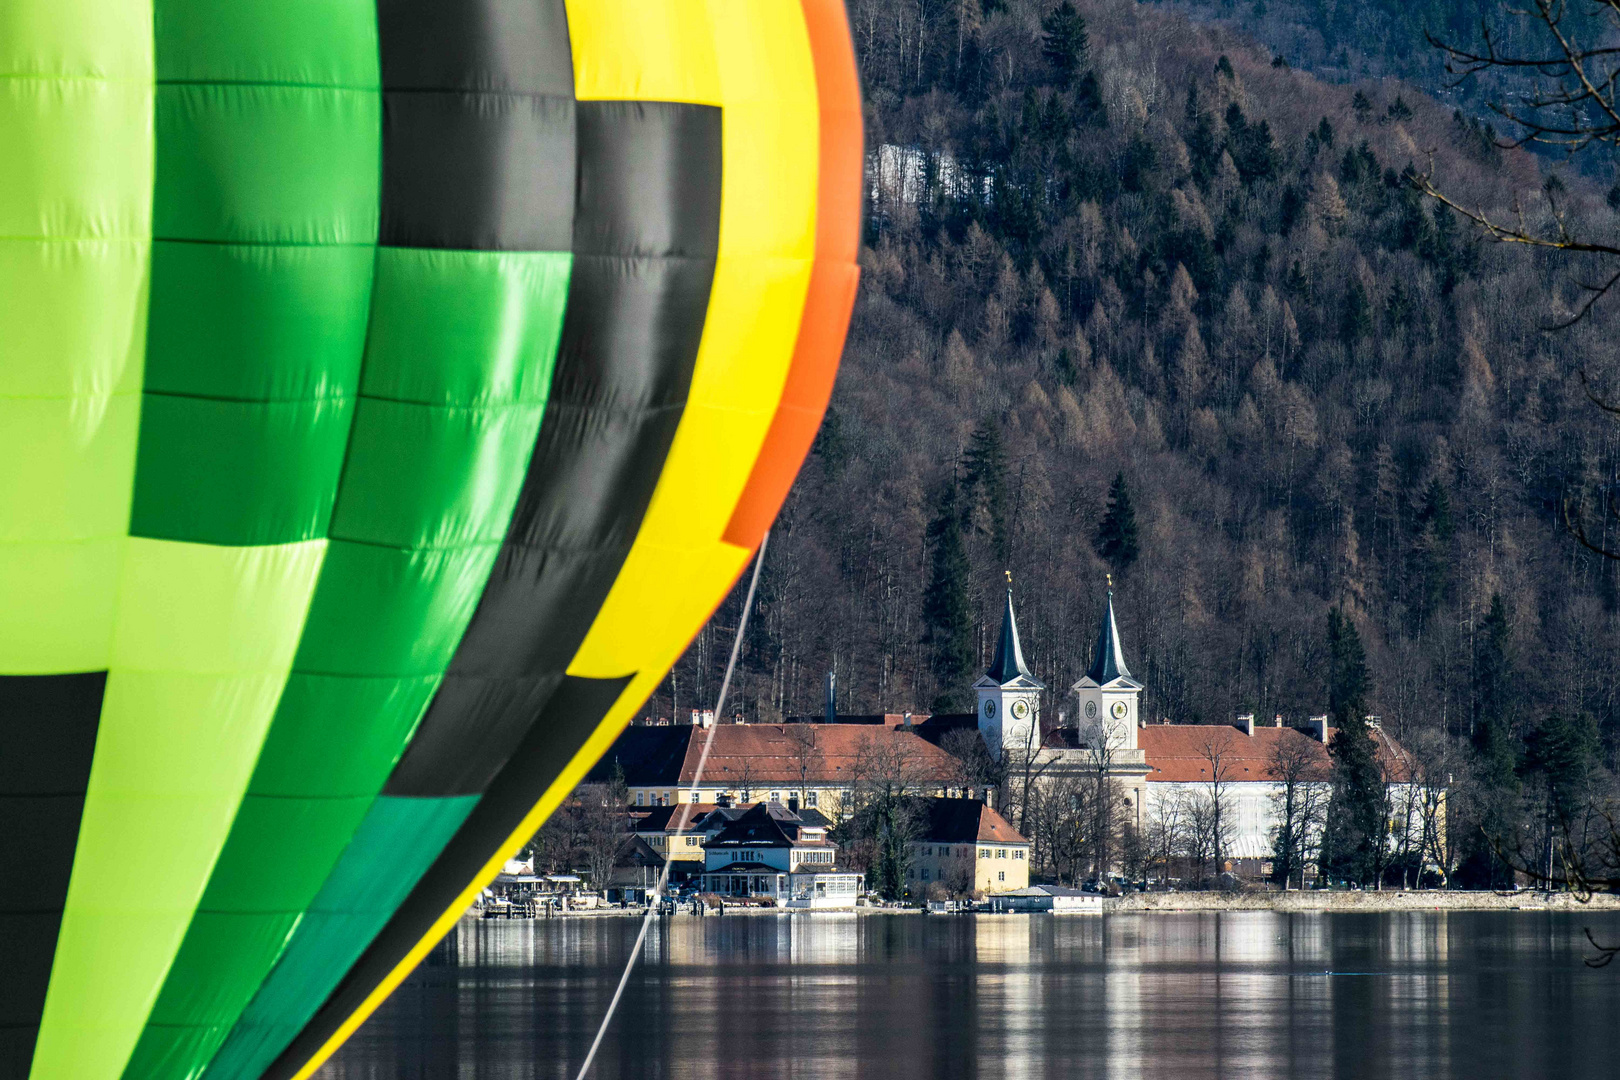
x=389, y=390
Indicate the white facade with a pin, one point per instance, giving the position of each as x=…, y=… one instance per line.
x=1109, y=698
x=1009, y=717
x=1251, y=810
x=1110, y=713
x=1009, y=697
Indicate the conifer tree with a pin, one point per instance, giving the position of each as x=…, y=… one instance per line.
x=1432, y=550
x=1116, y=540
x=1491, y=729
x=1353, y=848
x=986, y=474
x=1064, y=42
x=1355, y=319
x=947, y=612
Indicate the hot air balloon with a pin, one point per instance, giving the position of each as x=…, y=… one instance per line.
x=389, y=390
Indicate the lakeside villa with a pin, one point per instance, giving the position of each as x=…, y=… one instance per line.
x=812, y=766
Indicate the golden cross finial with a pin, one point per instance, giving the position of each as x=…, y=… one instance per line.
x=1009, y=577
x=1110, y=578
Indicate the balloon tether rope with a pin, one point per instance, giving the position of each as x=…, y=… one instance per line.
x=686, y=813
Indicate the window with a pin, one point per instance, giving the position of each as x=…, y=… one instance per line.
x=984, y=853
x=1001, y=853
x=641, y=798
x=928, y=851
x=691, y=841
x=810, y=798
x=669, y=799
x=776, y=796
x=696, y=797
x=1001, y=875
x=1018, y=853
x=925, y=873
x=909, y=873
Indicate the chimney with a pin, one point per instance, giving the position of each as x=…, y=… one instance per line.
x=906, y=724
x=1245, y=724
x=830, y=705
x=793, y=803
x=1278, y=721
x=1318, y=729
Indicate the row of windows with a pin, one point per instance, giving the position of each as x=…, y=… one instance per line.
x=811, y=798
x=1001, y=875
x=943, y=851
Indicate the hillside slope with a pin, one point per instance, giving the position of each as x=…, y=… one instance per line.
x=1174, y=261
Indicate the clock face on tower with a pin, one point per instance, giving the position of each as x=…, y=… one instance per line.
x=1091, y=710
x=1120, y=709
x=989, y=708
x=1020, y=709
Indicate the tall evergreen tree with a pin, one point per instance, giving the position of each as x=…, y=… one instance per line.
x=1353, y=848
x=1116, y=539
x=947, y=611
x=1493, y=688
x=1496, y=791
x=1432, y=551
x=1064, y=42
x=986, y=476
x=1559, y=758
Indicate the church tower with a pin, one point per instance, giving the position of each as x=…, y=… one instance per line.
x=1109, y=697
x=1009, y=696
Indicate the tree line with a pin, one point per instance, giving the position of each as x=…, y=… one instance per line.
x=1139, y=301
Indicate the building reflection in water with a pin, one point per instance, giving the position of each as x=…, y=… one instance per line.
x=1161, y=997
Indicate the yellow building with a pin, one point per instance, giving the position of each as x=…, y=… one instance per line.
x=657, y=828
x=967, y=848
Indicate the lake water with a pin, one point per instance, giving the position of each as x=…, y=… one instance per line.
x=1240, y=994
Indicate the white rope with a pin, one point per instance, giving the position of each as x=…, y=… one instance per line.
x=686, y=813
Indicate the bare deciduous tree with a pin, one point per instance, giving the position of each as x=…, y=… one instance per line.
x=1164, y=835
x=802, y=745
x=1218, y=749
x=1300, y=805
x=586, y=833
x=887, y=777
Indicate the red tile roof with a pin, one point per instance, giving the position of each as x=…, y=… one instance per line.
x=768, y=755
x=967, y=821
x=1180, y=753
x=666, y=818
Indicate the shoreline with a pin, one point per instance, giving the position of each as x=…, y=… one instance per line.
x=1323, y=902
x=1336, y=901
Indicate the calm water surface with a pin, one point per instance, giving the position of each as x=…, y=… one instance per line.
x=1242, y=994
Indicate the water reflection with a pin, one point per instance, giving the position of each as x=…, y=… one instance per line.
x=1242, y=994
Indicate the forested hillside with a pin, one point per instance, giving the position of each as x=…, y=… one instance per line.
x=1375, y=38
x=1129, y=250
